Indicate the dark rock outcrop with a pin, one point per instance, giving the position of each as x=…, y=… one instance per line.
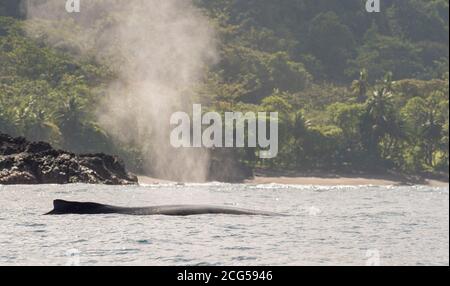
x=23, y=162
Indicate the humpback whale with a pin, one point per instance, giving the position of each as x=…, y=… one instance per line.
x=61, y=207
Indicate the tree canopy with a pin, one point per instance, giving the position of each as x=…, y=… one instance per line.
x=355, y=91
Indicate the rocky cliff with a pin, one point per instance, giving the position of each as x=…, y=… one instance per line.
x=24, y=162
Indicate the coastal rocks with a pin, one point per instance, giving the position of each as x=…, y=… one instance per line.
x=23, y=162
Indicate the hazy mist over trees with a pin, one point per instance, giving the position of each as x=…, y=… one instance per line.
x=355, y=91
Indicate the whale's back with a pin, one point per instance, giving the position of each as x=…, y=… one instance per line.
x=61, y=207
x=187, y=210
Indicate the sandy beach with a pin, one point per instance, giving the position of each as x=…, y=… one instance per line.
x=341, y=181
x=323, y=180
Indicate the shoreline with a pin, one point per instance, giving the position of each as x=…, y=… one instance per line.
x=265, y=178
x=341, y=181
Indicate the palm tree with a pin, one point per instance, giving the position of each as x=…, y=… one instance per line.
x=360, y=86
x=300, y=133
x=380, y=120
x=69, y=118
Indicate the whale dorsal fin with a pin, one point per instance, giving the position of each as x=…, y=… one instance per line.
x=59, y=204
x=67, y=207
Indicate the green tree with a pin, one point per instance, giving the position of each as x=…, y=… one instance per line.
x=380, y=123
x=331, y=42
x=426, y=119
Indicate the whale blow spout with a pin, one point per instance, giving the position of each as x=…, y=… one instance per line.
x=61, y=207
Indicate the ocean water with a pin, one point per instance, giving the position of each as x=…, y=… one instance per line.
x=326, y=226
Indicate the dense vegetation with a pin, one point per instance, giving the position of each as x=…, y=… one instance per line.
x=355, y=91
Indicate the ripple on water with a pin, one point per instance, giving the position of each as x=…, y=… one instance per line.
x=144, y=241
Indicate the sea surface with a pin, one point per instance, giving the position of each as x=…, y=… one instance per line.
x=364, y=225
